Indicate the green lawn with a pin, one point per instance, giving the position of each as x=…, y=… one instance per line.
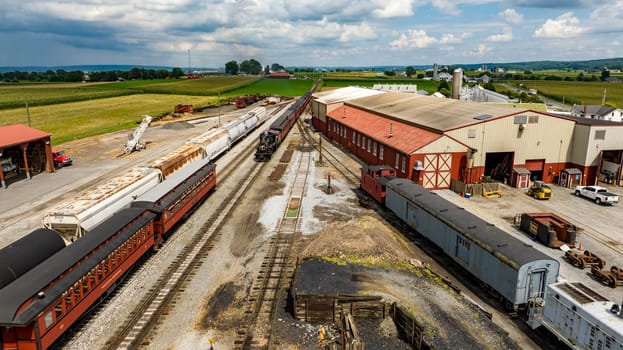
x=75, y=120
x=578, y=92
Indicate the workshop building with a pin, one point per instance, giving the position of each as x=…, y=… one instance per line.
x=470, y=142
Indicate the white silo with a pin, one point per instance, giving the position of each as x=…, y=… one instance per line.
x=457, y=82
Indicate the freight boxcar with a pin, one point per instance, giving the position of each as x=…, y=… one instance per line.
x=515, y=271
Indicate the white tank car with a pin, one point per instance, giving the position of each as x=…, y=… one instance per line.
x=235, y=130
x=214, y=142
x=73, y=218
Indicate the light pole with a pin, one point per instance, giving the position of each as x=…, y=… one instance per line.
x=219, y=109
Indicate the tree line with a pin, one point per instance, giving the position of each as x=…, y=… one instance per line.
x=61, y=75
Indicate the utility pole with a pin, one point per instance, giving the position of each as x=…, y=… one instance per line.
x=219, y=109
x=189, y=69
x=27, y=111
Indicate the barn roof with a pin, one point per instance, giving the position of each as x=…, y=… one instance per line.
x=344, y=94
x=426, y=111
x=17, y=134
x=405, y=137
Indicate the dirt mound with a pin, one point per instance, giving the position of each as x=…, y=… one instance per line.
x=363, y=238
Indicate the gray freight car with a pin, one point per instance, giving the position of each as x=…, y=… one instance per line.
x=514, y=270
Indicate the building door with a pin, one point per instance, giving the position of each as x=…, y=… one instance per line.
x=437, y=171
x=536, y=167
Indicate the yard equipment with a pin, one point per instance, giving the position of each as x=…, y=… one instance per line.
x=540, y=190
x=134, y=139
x=549, y=228
x=584, y=260
x=611, y=278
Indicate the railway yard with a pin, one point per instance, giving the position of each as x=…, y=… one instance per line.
x=222, y=278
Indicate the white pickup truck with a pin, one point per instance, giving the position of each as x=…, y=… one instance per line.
x=598, y=194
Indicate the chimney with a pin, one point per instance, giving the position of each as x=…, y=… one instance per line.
x=391, y=125
x=435, y=72
x=585, y=108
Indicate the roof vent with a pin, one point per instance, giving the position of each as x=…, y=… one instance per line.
x=391, y=128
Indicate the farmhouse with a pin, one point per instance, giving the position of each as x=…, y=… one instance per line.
x=432, y=141
x=598, y=112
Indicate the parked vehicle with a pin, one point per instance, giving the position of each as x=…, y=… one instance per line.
x=61, y=159
x=539, y=190
x=597, y=193
x=8, y=166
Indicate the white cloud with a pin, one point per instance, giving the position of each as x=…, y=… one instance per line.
x=564, y=26
x=481, y=51
x=511, y=16
x=505, y=36
x=417, y=39
x=394, y=8
x=447, y=6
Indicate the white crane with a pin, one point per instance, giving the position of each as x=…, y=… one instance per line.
x=134, y=138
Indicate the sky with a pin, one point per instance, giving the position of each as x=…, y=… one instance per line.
x=316, y=33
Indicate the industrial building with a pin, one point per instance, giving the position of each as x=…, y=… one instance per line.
x=432, y=141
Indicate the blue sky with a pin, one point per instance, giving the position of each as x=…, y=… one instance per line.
x=306, y=32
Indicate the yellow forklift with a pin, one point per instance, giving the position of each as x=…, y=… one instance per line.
x=540, y=190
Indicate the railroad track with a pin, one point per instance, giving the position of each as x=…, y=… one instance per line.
x=277, y=271
x=327, y=151
x=144, y=316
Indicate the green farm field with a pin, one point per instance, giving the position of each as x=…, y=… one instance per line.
x=590, y=93
x=75, y=120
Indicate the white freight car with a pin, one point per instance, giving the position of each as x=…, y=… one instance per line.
x=73, y=218
x=214, y=142
x=579, y=317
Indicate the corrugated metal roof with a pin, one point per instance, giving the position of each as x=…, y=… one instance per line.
x=345, y=94
x=405, y=138
x=13, y=135
x=430, y=112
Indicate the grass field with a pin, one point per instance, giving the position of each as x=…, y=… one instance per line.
x=282, y=87
x=590, y=93
x=70, y=121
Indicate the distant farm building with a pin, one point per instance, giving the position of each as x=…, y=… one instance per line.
x=279, y=75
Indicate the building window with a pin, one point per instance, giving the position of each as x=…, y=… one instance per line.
x=369, y=145
x=353, y=137
x=521, y=119
x=471, y=133
x=374, y=148
x=600, y=134
x=397, y=160
x=381, y=152
x=404, y=164
x=533, y=119
x=358, y=139
x=363, y=142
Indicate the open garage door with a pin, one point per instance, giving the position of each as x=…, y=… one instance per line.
x=610, y=167
x=536, y=167
x=498, y=165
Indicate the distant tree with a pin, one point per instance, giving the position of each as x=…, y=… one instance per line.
x=176, y=72
x=527, y=72
x=135, y=73
x=255, y=67
x=74, y=76
x=276, y=67
x=605, y=74
x=389, y=73
x=410, y=71
x=580, y=77
x=267, y=70
x=420, y=76
x=232, y=68
x=443, y=85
